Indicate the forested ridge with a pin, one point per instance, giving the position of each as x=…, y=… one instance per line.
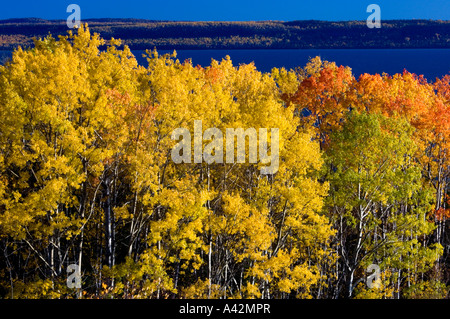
x=312, y=34
x=86, y=178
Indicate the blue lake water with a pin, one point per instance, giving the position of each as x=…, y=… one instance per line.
x=431, y=63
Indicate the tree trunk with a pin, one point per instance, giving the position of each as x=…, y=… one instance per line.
x=109, y=224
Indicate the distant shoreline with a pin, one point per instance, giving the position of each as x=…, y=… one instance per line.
x=141, y=34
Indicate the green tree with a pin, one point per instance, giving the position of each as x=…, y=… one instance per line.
x=377, y=200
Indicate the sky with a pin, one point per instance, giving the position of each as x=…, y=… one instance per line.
x=229, y=10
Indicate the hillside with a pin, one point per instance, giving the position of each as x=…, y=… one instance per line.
x=147, y=34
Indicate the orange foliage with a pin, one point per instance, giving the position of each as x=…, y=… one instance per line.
x=325, y=95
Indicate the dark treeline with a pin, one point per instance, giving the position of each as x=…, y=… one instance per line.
x=144, y=34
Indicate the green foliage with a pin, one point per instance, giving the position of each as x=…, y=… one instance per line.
x=427, y=290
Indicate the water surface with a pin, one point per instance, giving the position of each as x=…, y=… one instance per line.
x=431, y=63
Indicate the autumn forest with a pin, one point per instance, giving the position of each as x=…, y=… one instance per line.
x=87, y=179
